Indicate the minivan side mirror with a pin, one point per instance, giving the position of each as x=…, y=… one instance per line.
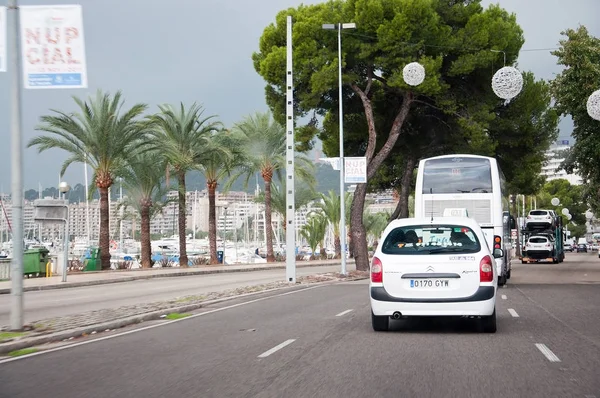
x=498, y=253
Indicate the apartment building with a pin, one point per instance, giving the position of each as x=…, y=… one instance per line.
x=554, y=158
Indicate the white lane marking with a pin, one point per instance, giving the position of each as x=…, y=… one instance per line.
x=344, y=312
x=276, y=348
x=153, y=326
x=547, y=353
x=513, y=313
x=504, y=297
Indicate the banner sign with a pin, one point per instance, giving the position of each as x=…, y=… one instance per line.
x=53, y=47
x=355, y=170
x=3, y=36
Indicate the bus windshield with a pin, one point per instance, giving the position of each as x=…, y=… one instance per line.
x=457, y=175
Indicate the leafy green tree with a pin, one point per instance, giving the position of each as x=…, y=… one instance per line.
x=183, y=137
x=579, y=53
x=264, y=143
x=523, y=130
x=102, y=135
x=452, y=40
x=570, y=196
x=577, y=231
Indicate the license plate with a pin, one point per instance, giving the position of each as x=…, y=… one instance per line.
x=429, y=283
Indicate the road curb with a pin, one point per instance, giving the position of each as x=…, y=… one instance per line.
x=153, y=276
x=22, y=343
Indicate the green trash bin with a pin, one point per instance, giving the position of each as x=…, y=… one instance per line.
x=93, y=263
x=34, y=261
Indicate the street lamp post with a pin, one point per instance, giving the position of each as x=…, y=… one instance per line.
x=64, y=188
x=224, y=231
x=339, y=28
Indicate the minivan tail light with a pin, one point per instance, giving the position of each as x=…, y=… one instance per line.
x=376, y=271
x=486, y=270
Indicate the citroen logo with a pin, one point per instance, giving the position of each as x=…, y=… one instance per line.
x=430, y=269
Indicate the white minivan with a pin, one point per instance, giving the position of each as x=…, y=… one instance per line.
x=438, y=266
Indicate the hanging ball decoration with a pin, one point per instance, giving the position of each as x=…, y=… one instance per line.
x=507, y=82
x=593, y=105
x=413, y=74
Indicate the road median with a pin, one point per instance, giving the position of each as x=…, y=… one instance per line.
x=81, y=279
x=73, y=327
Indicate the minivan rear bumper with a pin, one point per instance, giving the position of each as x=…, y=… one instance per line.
x=480, y=303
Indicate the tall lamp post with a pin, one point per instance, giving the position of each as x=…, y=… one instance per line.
x=224, y=231
x=339, y=28
x=64, y=188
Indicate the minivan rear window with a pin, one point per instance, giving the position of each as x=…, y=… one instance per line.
x=538, y=213
x=431, y=239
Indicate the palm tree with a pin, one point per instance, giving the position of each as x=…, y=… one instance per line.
x=225, y=155
x=265, y=149
x=303, y=195
x=314, y=232
x=100, y=135
x=183, y=137
x=330, y=206
x=375, y=224
x=143, y=182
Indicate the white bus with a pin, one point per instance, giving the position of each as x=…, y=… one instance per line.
x=472, y=182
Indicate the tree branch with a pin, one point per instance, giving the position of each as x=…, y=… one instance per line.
x=369, y=79
x=372, y=140
x=383, y=153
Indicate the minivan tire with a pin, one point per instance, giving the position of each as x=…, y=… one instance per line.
x=488, y=323
x=380, y=323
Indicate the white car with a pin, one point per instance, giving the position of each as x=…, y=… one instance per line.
x=540, y=247
x=540, y=219
x=439, y=266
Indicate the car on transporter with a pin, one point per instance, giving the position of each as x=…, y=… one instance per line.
x=438, y=266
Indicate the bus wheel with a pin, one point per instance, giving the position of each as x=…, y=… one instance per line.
x=502, y=280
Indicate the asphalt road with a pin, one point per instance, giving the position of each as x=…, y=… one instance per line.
x=46, y=304
x=318, y=342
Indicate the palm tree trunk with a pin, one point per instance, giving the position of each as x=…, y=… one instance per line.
x=337, y=244
x=104, y=241
x=212, y=221
x=145, y=236
x=183, y=258
x=268, y=224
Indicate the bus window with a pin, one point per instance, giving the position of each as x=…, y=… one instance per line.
x=457, y=175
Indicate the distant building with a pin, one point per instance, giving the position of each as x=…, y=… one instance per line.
x=551, y=168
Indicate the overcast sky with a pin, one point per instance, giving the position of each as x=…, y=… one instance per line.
x=199, y=50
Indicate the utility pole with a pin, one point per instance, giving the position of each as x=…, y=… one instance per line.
x=14, y=66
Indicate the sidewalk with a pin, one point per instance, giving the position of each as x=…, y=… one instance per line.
x=79, y=279
x=66, y=328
